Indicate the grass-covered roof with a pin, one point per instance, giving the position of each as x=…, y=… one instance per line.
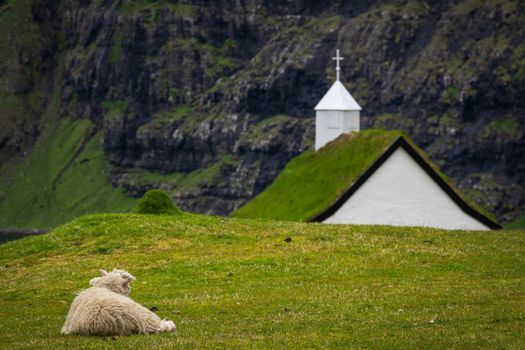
x=314, y=181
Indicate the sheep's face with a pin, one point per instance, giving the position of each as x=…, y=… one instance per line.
x=117, y=281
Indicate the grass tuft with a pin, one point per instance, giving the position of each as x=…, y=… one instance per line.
x=156, y=202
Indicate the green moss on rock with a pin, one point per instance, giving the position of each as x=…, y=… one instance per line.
x=507, y=128
x=114, y=109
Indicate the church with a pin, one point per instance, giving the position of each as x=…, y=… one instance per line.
x=369, y=177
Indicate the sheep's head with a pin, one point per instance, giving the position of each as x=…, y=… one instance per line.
x=117, y=281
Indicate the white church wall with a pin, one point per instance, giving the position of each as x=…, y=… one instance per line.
x=334, y=120
x=330, y=124
x=401, y=193
x=351, y=121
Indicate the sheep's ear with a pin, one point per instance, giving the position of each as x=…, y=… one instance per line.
x=103, y=273
x=93, y=281
x=128, y=276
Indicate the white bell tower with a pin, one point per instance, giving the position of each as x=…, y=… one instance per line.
x=337, y=112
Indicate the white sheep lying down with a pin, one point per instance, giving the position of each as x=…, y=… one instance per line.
x=105, y=309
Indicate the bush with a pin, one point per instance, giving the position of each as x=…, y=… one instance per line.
x=156, y=202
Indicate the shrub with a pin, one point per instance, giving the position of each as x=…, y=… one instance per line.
x=156, y=202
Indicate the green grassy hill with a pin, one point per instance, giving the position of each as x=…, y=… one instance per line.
x=232, y=283
x=65, y=175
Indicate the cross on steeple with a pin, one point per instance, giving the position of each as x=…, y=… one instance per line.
x=337, y=58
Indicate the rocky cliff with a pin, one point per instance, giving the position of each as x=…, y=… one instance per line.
x=209, y=100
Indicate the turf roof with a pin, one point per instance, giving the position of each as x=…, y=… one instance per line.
x=314, y=181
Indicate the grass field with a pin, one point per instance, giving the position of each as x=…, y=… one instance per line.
x=232, y=283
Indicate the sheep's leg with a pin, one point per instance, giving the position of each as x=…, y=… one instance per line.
x=151, y=323
x=66, y=329
x=146, y=321
x=167, y=326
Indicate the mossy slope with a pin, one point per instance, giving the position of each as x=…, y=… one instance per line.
x=239, y=284
x=66, y=175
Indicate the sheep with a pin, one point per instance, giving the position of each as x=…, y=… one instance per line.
x=106, y=309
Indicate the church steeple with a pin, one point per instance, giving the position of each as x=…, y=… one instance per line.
x=337, y=112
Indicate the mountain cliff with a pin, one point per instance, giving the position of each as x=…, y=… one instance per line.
x=209, y=101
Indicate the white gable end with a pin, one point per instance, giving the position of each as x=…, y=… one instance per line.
x=401, y=193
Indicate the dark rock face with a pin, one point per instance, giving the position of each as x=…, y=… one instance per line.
x=27, y=51
x=209, y=102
